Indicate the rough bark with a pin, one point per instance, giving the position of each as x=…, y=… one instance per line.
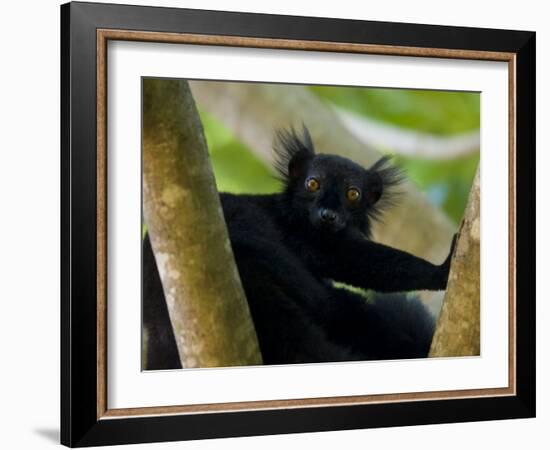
x=252, y=111
x=457, y=331
x=206, y=302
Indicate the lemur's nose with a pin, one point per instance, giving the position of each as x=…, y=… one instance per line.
x=327, y=215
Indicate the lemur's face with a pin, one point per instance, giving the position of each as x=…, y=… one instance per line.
x=331, y=192
x=335, y=193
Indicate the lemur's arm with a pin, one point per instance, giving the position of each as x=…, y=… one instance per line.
x=370, y=265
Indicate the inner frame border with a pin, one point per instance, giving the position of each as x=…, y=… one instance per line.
x=103, y=36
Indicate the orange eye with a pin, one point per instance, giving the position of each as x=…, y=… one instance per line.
x=353, y=194
x=312, y=184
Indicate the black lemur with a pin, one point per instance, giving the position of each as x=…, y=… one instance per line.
x=289, y=248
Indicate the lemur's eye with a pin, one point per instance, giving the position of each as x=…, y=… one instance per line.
x=312, y=184
x=353, y=194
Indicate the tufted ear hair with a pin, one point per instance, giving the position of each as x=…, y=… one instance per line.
x=382, y=177
x=293, y=152
x=379, y=189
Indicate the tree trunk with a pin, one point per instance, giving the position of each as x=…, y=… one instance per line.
x=252, y=111
x=457, y=331
x=206, y=302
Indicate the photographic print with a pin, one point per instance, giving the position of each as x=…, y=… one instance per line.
x=349, y=231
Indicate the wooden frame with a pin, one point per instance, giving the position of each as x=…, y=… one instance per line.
x=86, y=419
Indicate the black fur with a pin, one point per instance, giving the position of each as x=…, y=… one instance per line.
x=289, y=247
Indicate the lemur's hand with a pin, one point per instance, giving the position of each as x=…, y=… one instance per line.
x=446, y=266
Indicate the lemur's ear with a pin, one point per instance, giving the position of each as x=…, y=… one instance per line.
x=293, y=153
x=381, y=178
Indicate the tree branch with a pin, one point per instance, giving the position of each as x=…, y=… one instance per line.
x=206, y=302
x=409, y=142
x=457, y=330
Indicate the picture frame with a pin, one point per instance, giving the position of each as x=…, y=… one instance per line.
x=86, y=28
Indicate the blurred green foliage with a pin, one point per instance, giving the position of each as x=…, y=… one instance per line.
x=237, y=169
x=445, y=182
x=443, y=113
x=437, y=112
